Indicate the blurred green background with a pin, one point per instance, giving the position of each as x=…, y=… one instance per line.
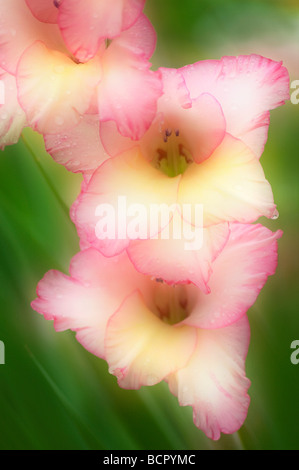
x=54, y=394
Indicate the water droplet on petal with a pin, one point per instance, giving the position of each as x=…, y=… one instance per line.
x=275, y=215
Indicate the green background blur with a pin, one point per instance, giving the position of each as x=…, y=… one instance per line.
x=54, y=394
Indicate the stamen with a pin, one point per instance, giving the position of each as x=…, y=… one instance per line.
x=56, y=3
x=168, y=132
x=177, y=132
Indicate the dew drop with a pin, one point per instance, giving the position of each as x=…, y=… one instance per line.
x=275, y=215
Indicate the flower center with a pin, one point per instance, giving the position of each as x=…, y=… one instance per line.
x=172, y=157
x=171, y=303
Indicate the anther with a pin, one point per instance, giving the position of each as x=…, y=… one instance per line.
x=177, y=132
x=161, y=154
x=168, y=132
x=56, y=3
x=184, y=154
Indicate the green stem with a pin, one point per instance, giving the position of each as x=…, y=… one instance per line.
x=62, y=204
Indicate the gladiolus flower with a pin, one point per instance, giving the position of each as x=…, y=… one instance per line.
x=230, y=186
x=148, y=330
x=200, y=103
x=198, y=150
x=243, y=88
x=57, y=85
x=86, y=24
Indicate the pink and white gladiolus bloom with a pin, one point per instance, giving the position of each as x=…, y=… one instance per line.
x=86, y=24
x=230, y=186
x=62, y=72
x=201, y=102
x=198, y=150
x=204, y=100
x=148, y=330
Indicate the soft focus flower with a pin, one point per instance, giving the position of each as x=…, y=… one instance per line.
x=55, y=85
x=148, y=330
x=85, y=24
x=244, y=89
x=201, y=148
x=230, y=186
x=200, y=102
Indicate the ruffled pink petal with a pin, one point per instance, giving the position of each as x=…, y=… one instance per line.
x=19, y=29
x=85, y=24
x=79, y=149
x=199, y=123
x=129, y=91
x=113, y=142
x=44, y=10
x=247, y=87
x=186, y=259
x=202, y=127
x=124, y=188
x=214, y=381
x=239, y=273
x=12, y=117
x=143, y=350
x=85, y=300
x=175, y=99
x=140, y=39
x=131, y=12
x=53, y=90
x=230, y=185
